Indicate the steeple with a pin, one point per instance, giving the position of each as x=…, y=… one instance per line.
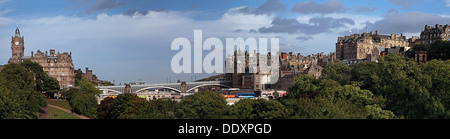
x=17, y=32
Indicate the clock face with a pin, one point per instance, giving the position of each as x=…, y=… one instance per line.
x=17, y=43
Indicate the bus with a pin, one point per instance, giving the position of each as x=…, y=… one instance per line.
x=229, y=96
x=111, y=95
x=246, y=95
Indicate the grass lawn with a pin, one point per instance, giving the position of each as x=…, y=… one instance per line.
x=58, y=114
x=60, y=103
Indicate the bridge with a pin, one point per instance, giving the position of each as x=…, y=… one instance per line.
x=183, y=88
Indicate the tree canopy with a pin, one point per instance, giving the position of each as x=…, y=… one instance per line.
x=20, y=96
x=393, y=87
x=83, y=99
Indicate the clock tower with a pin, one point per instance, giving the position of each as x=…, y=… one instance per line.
x=17, y=47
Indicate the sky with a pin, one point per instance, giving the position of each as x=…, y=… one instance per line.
x=125, y=41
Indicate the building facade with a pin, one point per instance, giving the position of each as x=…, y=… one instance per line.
x=17, y=47
x=90, y=77
x=367, y=46
x=56, y=65
x=439, y=32
x=290, y=66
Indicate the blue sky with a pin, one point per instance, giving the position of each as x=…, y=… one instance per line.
x=130, y=40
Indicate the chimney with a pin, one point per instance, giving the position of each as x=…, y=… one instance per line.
x=52, y=52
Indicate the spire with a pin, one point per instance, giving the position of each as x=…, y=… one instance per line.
x=17, y=32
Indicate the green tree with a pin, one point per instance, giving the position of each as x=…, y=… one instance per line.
x=127, y=106
x=439, y=73
x=367, y=74
x=259, y=109
x=69, y=93
x=437, y=50
x=351, y=93
x=203, y=105
x=10, y=107
x=78, y=77
x=403, y=86
x=44, y=83
x=84, y=101
x=337, y=71
x=275, y=94
x=19, y=99
x=17, y=77
x=303, y=85
x=51, y=85
x=375, y=112
x=333, y=101
x=160, y=109
x=324, y=108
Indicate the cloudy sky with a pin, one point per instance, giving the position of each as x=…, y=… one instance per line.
x=130, y=40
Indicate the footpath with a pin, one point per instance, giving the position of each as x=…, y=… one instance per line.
x=44, y=115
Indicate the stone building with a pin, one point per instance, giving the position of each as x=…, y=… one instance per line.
x=367, y=46
x=17, y=47
x=90, y=77
x=245, y=79
x=439, y=32
x=420, y=57
x=291, y=65
x=56, y=65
